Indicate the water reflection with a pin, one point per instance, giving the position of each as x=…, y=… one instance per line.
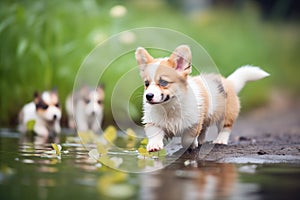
x=76, y=168
x=74, y=175
x=207, y=181
x=38, y=140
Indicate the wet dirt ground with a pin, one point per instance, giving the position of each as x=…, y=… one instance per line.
x=270, y=134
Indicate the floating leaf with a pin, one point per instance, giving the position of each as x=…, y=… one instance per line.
x=131, y=137
x=144, y=141
x=101, y=149
x=30, y=125
x=57, y=148
x=143, y=151
x=110, y=133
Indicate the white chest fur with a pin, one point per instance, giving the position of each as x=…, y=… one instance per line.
x=180, y=113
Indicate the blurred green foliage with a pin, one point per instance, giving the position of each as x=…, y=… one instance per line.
x=43, y=44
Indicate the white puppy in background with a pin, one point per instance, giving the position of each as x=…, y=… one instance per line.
x=85, y=109
x=44, y=111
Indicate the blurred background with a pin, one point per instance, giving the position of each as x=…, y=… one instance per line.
x=43, y=43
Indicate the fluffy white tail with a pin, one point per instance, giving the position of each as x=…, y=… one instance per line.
x=244, y=74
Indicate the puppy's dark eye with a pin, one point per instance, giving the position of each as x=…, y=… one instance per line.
x=57, y=105
x=42, y=106
x=86, y=101
x=163, y=83
x=99, y=102
x=147, y=83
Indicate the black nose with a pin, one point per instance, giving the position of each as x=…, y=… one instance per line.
x=149, y=96
x=54, y=117
x=93, y=113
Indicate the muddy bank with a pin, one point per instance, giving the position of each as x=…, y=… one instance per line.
x=266, y=135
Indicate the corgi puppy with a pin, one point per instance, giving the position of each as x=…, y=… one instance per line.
x=176, y=104
x=85, y=109
x=44, y=111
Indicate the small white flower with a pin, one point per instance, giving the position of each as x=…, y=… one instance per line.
x=96, y=37
x=127, y=37
x=118, y=11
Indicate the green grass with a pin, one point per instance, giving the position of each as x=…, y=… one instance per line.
x=43, y=44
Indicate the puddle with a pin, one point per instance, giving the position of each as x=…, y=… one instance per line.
x=262, y=159
x=26, y=173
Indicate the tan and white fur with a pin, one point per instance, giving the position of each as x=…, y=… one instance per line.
x=85, y=109
x=176, y=104
x=45, y=111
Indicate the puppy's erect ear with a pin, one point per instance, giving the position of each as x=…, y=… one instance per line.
x=100, y=90
x=36, y=97
x=36, y=94
x=181, y=59
x=84, y=90
x=101, y=85
x=142, y=57
x=54, y=91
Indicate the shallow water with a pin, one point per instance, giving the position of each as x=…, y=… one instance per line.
x=28, y=170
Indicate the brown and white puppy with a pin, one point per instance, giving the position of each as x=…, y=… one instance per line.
x=176, y=104
x=85, y=109
x=44, y=111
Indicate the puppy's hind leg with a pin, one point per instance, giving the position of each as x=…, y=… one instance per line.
x=223, y=135
x=225, y=126
x=232, y=108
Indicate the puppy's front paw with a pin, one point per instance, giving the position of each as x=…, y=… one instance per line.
x=218, y=141
x=155, y=145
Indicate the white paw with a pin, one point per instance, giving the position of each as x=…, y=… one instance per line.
x=222, y=138
x=155, y=145
x=220, y=141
